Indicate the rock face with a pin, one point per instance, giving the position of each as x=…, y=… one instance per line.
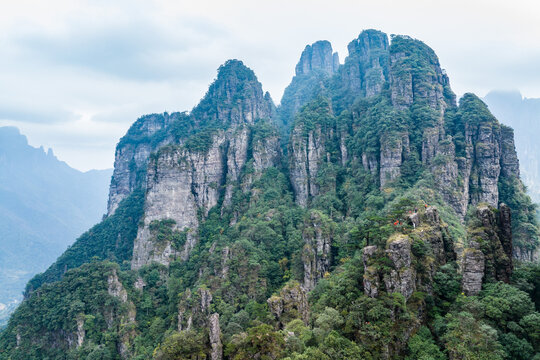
x=472, y=271
x=81, y=333
x=407, y=85
x=318, y=57
x=366, y=68
x=471, y=175
x=132, y=154
x=316, y=255
x=509, y=160
x=393, y=269
x=371, y=278
x=394, y=149
x=215, y=338
x=126, y=318
x=185, y=181
x=316, y=66
x=194, y=311
x=180, y=184
x=291, y=303
x=116, y=288
x=402, y=277
x=307, y=154
x=489, y=252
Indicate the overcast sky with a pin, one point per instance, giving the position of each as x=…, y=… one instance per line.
x=75, y=74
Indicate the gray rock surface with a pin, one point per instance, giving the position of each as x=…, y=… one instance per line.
x=371, y=277
x=290, y=303
x=393, y=150
x=318, y=56
x=402, y=278
x=472, y=271
x=214, y=331
x=366, y=68
x=131, y=157
x=307, y=155
x=316, y=254
x=180, y=184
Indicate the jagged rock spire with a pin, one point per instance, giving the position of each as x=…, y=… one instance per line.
x=318, y=56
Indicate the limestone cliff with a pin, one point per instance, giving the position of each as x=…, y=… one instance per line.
x=317, y=235
x=488, y=252
x=318, y=57
x=346, y=231
x=185, y=181
x=414, y=256
x=316, y=65
x=132, y=154
x=366, y=69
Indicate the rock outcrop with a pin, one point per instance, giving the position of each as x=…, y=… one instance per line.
x=488, y=255
x=291, y=303
x=307, y=154
x=126, y=318
x=472, y=266
x=180, y=184
x=371, y=279
x=433, y=249
x=318, y=57
x=214, y=331
x=194, y=311
x=471, y=174
x=408, y=85
x=394, y=149
x=366, y=68
x=316, y=66
x=402, y=277
x=185, y=181
x=316, y=255
x=132, y=154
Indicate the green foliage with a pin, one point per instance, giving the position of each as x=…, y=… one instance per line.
x=422, y=347
x=81, y=295
x=526, y=277
x=112, y=239
x=525, y=227
x=162, y=232
x=185, y=345
x=467, y=338
x=260, y=242
x=504, y=303
x=260, y=341
x=446, y=285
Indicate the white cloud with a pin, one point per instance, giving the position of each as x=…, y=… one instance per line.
x=75, y=74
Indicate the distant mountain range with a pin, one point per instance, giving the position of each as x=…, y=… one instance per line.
x=44, y=206
x=523, y=114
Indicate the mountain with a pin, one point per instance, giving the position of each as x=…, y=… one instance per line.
x=44, y=206
x=523, y=115
x=369, y=216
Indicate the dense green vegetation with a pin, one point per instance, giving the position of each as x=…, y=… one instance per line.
x=253, y=254
x=111, y=239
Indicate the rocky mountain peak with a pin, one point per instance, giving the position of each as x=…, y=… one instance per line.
x=318, y=57
x=367, y=209
x=368, y=42
x=236, y=96
x=366, y=68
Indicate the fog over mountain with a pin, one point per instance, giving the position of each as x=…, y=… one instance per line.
x=522, y=114
x=44, y=206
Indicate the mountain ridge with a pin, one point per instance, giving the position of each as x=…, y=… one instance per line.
x=369, y=216
x=42, y=209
